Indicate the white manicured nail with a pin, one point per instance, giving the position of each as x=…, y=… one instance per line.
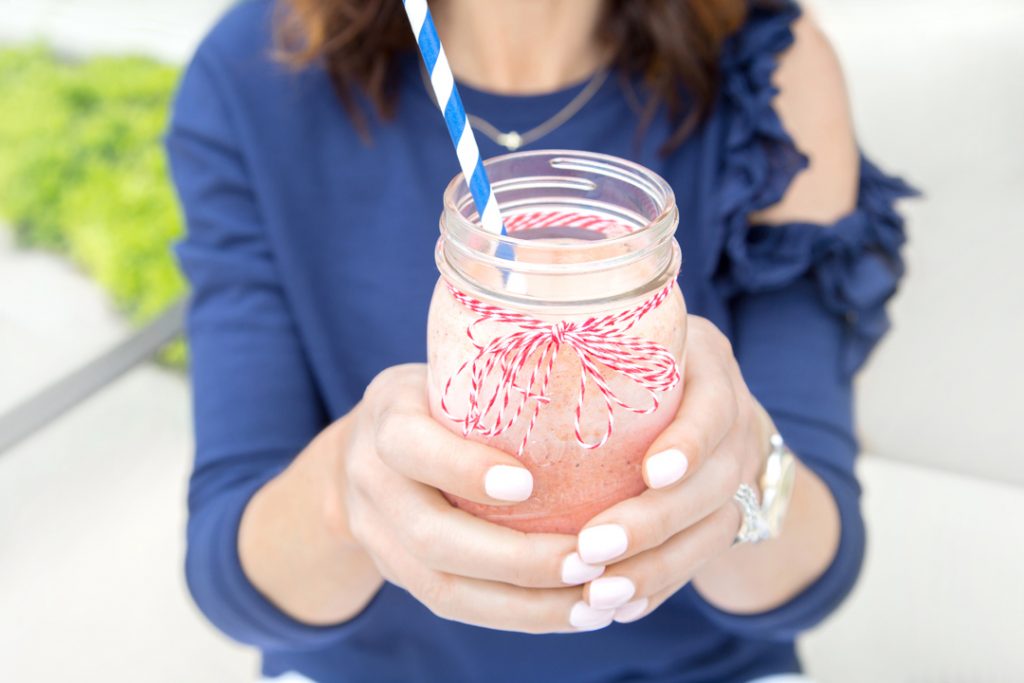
x=611, y=592
x=583, y=617
x=665, y=468
x=504, y=482
x=575, y=571
x=598, y=544
x=631, y=611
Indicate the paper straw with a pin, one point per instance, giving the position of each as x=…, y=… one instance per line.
x=447, y=95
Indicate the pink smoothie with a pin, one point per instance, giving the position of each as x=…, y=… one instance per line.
x=571, y=483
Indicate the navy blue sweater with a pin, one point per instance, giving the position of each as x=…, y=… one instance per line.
x=299, y=231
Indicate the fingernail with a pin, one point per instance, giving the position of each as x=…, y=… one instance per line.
x=611, y=592
x=575, y=571
x=598, y=544
x=665, y=468
x=504, y=482
x=583, y=617
x=631, y=611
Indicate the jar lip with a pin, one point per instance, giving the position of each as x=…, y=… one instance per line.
x=654, y=181
x=564, y=307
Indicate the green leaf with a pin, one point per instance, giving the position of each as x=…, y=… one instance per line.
x=82, y=171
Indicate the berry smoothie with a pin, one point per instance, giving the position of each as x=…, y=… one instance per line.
x=571, y=483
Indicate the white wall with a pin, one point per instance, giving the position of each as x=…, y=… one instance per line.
x=938, y=94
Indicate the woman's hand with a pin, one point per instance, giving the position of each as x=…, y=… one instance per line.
x=687, y=519
x=396, y=461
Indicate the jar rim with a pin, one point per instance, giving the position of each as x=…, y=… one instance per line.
x=619, y=192
x=656, y=187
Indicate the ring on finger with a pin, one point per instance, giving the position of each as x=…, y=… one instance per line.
x=754, y=526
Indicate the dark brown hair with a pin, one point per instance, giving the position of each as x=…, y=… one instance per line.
x=673, y=45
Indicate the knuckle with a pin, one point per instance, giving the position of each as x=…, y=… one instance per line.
x=433, y=453
x=722, y=391
x=721, y=342
x=546, y=614
x=514, y=570
x=393, y=384
x=728, y=523
x=725, y=346
x=691, y=446
x=664, y=529
x=657, y=565
x=359, y=470
x=699, y=324
x=748, y=412
x=522, y=567
x=734, y=406
x=437, y=592
x=657, y=523
x=732, y=474
x=432, y=554
x=726, y=401
x=390, y=428
x=420, y=533
x=711, y=334
x=379, y=386
x=360, y=531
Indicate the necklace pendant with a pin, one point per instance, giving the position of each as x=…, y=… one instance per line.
x=510, y=140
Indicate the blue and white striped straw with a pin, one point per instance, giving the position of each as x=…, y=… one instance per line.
x=447, y=94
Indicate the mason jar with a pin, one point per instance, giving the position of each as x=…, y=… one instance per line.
x=562, y=342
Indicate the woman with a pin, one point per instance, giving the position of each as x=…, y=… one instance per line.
x=310, y=162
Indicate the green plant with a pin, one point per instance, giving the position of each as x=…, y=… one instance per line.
x=82, y=170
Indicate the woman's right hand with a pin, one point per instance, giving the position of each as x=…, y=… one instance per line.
x=396, y=459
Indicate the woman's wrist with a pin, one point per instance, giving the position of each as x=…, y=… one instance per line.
x=294, y=544
x=750, y=578
x=753, y=578
x=327, y=478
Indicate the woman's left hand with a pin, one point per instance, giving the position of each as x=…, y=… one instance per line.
x=655, y=543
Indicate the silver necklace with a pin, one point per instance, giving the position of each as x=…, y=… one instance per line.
x=513, y=140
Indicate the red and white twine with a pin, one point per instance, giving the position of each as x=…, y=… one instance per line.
x=606, y=227
x=517, y=366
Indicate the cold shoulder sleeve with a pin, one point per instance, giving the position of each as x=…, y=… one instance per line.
x=856, y=261
x=806, y=301
x=256, y=405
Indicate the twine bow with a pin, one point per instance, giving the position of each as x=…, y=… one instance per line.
x=517, y=366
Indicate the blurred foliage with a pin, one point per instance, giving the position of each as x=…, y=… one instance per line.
x=82, y=171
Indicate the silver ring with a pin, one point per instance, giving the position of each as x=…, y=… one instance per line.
x=754, y=527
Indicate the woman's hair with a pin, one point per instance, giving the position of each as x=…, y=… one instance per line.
x=672, y=45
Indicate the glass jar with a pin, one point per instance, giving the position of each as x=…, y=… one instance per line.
x=579, y=297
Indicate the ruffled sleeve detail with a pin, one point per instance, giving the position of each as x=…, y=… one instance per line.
x=855, y=261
